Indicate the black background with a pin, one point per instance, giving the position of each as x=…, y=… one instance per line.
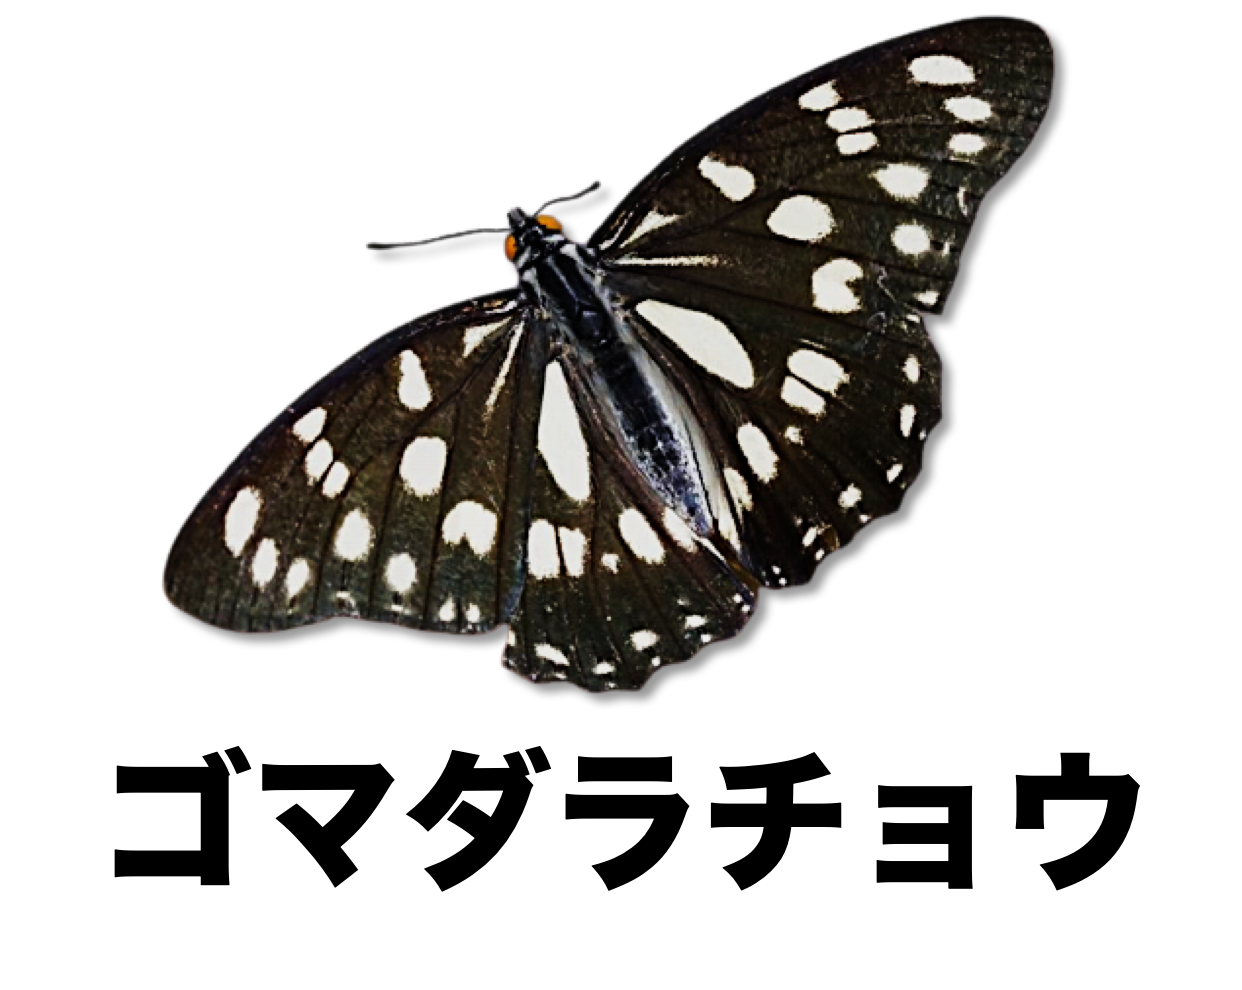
x=934, y=622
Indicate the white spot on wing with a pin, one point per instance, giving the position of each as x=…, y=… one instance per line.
x=241, y=519
x=969, y=108
x=907, y=420
x=611, y=561
x=854, y=144
x=966, y=144
x=672, y=261
x=603, y=667
x=802, y=218
x=822, y=97
x=725, y=522
x=830, y=286
x=893, y=472
x=849, y=498
x=422, y=465
x=413, y=390
x=676, y=527
x=310, y=426
x=911, y=368
x=474, y=336
x=941, y=70
x=317, y=460
x=797, y=395
x=560, y=437
x=642, y=539
x=263, y=567
x=353, y=539
x=550, y=653
x=703, y=338
x=472, y=613
x=849, y=119
x=738, y=489
x=473, y=523
x=573, y=550
x=818, y=369
x=758, y=450
x=652, y=221
x=902, y=181
x=644, y=639
x=545, y=562
x=928, y=298
x=334, y=483
x=793, y=434
x=503, y=375
x=695, y=621
x=401, y=573
x=911, y=238
x=448, y=611
x=296, y=577
x=735, y=182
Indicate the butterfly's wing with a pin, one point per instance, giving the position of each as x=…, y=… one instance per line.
x=394, y=490
x=789, y=251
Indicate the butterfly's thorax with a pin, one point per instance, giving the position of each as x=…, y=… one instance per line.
x=611, y=369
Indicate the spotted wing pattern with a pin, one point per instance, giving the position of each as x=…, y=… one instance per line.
x=394, y=490
x=789, y=251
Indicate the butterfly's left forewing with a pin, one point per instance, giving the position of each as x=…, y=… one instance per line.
x=394, y=490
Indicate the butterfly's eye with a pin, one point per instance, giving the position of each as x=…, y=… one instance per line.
x=509, y=246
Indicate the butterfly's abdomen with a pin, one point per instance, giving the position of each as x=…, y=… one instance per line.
x=630, y=394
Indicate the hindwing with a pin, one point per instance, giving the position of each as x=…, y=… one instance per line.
x=617, y=584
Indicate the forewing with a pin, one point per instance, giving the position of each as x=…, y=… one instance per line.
x=959, y=102
x=394, y=490
x=779, y=262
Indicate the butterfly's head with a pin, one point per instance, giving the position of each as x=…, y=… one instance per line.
x=532, y=238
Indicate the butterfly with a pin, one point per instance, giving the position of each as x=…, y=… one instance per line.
x=720, y=388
